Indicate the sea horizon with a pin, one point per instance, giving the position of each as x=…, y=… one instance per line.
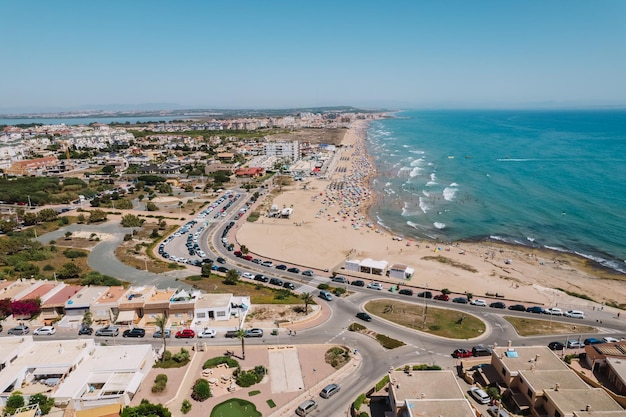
x=537, y=178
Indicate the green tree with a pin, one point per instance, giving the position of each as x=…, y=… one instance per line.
x=68, y=235
x=232, y=277
x=87, y=318
x=130, y=220
x=241, y=335
x=96, y=216
x=30, y=218
x=162, y=225
x=45, y=403
x=206, y=269
x=8, y=225
x=244, y=249
x=47, y=215
x=146, y=409
x=161, y=322
x=15, y=401
x=185, y=407
x=201, y=390
x=307, y=299
x=68, y=270
x=150, y=206
x=81, y=218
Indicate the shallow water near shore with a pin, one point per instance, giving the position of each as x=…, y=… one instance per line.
x=550, y=179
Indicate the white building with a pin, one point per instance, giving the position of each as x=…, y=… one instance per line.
x=283, y=149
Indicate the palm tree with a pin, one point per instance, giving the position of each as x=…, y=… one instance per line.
x=307, y=299
x=241, y=335
x=161, y=322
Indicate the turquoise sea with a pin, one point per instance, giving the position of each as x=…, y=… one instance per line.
x=554, y=179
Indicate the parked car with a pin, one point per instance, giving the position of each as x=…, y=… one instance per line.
x=358, y=283
x=247, y=275
x=517, y=307
x=20, y=330
x=206, y=334
x=460, y=300
x=405, y=291
x=330, y=390
x=222, y=269
x=364, y=316
x=535, y=309
x=289, y=285
x=497, y=304
x=481, y=350
x=276, y=281
x=495, y=411
x=110, y=331
x=231, y=334
x=254, y=333
x=425, y=294
x=185, y=334
x=556, y=346
x=478, y=302
x=281, y=267
x=462, y=353
x=134, y=332
x=220, y=260
x=479, y=395
x=269, y=264
x=249, y=258
x=575, y=314
x=261, y=277
x=553, y=311
x=593, y=341
x=293, y=270
x=609, y=339
x=45, y=330
x=375, y=285
x=85, y=330
x=574, y=344
x=306, y=407
x=308, y=273
x=158, y=334
x=441, y=297
x=238, y=254
x=257, y=261
x=339, y=279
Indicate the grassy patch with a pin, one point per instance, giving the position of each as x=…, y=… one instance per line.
x=382, y=383
x=235, y=408
x=259, y=294
x=576, y=294
x=532, y=327
x=271, y=403
x=452, y=324
x=389, y=342
x=213, y=362
x=254, y=392
x=337, y=357
x=448, y=261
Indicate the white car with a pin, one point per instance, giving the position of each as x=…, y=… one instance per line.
x=247, y=275
x=45, y=330
x=575, y=314
x=206, y=334
x=478, y=302
x=609, y=339
x=375, y=285
x=553, y=311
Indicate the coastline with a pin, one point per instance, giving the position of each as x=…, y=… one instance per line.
x=331, y=223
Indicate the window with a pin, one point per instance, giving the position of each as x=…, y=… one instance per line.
x=530, y=393
x=201, y=315
x=221, y=313
x=503, y=372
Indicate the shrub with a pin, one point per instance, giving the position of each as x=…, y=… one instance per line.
x=213, y=362
x=159, y=386
x=73, y=253
x=253, y=393
x=182, y=356
x=359, y=401
x=186, y=407
x=323, y=286
x=382, y=383
x=339, y=291
x=128, y=237
x=201, y=390
x=425, y=367
x=356, y=327
x=388, y=342
x=248, y=378
x=271, y=403
x=160, y=377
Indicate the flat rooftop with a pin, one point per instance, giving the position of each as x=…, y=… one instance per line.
x=426, y=385
x=569, y=400
x=520, y=358
x=542, y=380
x=440, y=408
x=213, y=300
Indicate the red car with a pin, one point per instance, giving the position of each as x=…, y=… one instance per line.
x=442, y=297
x=247, y=257
x=187, y=334
x=462, y=353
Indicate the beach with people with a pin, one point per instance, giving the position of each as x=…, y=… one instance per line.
x=330, y=224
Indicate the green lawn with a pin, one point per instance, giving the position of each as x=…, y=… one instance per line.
x=235, y=408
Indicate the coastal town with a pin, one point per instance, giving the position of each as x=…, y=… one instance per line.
x=231, y=267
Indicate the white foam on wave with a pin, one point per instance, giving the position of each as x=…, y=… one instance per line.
x=431, y=183
x=415, y=172
x=387, y=184
x=424, y=206
x=388, y=191
x=556, y=248
x=449, y=193
x=454, y=184
x=433, y=177
x=530, y=239
x=439, y=225
x=426, y=193
x=417, y=152
x=417, y=162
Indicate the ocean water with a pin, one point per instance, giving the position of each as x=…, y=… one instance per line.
x=553, y=179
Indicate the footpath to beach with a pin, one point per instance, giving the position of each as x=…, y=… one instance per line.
x=329, y=224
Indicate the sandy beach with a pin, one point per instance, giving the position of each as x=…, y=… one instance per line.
x=329, y=224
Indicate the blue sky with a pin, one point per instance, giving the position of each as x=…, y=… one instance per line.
x=279, y=54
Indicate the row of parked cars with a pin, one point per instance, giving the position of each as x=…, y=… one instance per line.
x=270, y=264
x=113, y=331
x=577, y=344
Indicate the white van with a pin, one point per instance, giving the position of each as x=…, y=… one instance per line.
x=575, y=314
x=480, y=395
x=326, y=295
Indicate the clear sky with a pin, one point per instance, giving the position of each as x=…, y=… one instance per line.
x=279, y=54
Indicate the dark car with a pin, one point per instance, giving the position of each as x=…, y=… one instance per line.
x=238, y=254
x=308, y=273
x=221, y=260
x=535, y=309
x=364, y=316
x=294, y=270
x=556, y=346
x=517, y=307
x=261, y=277
x=85, y=330
x=593, y=341
x=460, y=300
x=405, y=291
x=185, y=334
x=358, y=283
x=339, y=279
x=231, y=334
x=289, y=285
x=135, y=332
x=497, y=304
x=462, y=353
x=276, y=281
x=281, y=267
x=425, y=294
x=222, y=269
x=441, y=297
x=481, y=350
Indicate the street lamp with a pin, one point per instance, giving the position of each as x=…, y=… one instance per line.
x=28, y=201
